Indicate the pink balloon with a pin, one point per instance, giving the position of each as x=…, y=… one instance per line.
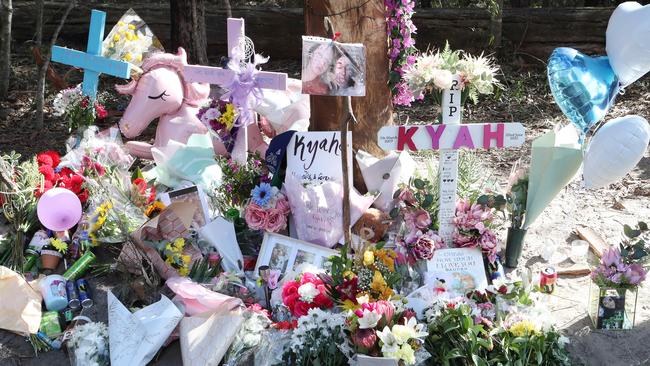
x=59, y=209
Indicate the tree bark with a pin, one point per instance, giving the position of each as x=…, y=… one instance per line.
x=6, y=13
x=188, y=29
x=42, y=71
x=358, y=21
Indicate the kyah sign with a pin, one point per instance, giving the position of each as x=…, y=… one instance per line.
x=448, y=138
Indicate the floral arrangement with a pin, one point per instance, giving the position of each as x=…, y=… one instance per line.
x=220, y=117
x=415, y=206
x=77, y=108
x=55, y=175
x=268, y=209
x=256, y=320
x=130, y=40
x=378, y=330
x=89, y=345
x=622, y=267
x=473, y=228
x=173, y=256
x=142, y=194
x=506, y=324
x=103, y=226
x=401, y=47
x=372, y=271
x=239, y=181
x=515, y=198
x=319, y=338
x=306, y=291
x=433, y=72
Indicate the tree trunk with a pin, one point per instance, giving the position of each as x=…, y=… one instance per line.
x=188, y=29
x=496, y=26
x=42, y=71
x=5, y=46
x=358, y=21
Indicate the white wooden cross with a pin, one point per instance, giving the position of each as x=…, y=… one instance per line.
x=222, y=77
x=448, y=138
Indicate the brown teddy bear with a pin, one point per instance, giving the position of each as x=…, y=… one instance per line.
x=372, y=225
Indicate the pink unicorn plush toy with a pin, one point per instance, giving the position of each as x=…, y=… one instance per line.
x=162, y=93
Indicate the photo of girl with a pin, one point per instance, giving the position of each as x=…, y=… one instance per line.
x=332, y=68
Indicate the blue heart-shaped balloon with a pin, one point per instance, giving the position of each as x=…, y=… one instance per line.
x=584, y=87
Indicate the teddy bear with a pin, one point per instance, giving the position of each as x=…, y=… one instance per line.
x=372, y=225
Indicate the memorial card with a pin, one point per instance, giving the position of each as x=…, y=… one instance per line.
x=457, y=270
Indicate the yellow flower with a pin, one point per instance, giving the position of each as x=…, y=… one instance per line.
x=380, y=286
x=349, y=305
x=129, y=36
x=138, y=58
x=116, y=37
x=368, y=258
x=523, y=328
x=348, y=274
x=121, y=23
x=128, y=56
x=386, y=257
x=183, y=271
x=131, y=27
x=59, y=245
x=155, y=207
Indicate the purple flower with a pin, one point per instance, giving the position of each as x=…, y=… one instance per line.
x=635, y=274
x=611, y=257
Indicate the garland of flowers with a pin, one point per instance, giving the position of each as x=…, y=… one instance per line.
x=401, y=48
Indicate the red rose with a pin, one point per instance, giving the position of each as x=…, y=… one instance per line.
x=50, y=157
x=75, y=183
x=66, y=172
x=301, y=309
x=290, y=301
x=322, y=301
x=290, y=288
x=48, y=173
x=310, y=277
x=84, y=102
x=101, y=111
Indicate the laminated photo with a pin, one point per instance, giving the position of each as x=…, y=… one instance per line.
x=333, y=68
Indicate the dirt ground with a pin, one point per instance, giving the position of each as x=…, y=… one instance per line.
x=526, y=99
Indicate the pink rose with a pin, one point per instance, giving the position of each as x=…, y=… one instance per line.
x=275, y=220
x=283, y=206
x=407, y=196
x=255, y=217
x=422, y=219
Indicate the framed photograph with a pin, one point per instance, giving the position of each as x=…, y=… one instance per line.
x=193, y=195
x=288, y=254
x=333, y=68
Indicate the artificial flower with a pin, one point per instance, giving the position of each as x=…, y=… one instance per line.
x=261, y=194
x=59, y=245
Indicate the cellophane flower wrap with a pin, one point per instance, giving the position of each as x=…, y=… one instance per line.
x=130, y=40
x=89, y=345
x=319, y=207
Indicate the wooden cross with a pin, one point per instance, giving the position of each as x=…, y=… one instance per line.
x=448, y=138
x=220, y=76
x=91, y=61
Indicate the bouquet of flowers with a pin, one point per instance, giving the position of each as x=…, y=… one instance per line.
x=220, y=117
x=377, y=329
x=256, y=321
x=174, y=256
x=268, y=209
x=473, y=228
x=622, y=267
x=305, y=292
x=56, y=175
x=77, y=108
x=514, y=201
x=239, y=181
x=481, y=327
x=319, y=339
x=433, y=72
x=89, y=345
x=415, y=205
x=130, y=40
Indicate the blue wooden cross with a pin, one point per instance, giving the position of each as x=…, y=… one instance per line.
x=91, y=61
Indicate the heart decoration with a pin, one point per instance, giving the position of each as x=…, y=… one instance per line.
x=628, y=41
x=615, y=150
x=584, y=87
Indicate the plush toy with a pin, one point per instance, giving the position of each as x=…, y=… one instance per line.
x=372, y=225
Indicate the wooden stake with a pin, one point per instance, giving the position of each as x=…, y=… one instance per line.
x=596, y=242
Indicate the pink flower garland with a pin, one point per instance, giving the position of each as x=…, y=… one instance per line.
x=401, y=48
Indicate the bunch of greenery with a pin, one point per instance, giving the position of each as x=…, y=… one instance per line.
x=17, y=183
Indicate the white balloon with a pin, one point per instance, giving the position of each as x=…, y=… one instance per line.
x=615, y=150
x=628, y=41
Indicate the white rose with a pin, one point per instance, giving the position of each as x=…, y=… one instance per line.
x=443, y=79
x=307, y=292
